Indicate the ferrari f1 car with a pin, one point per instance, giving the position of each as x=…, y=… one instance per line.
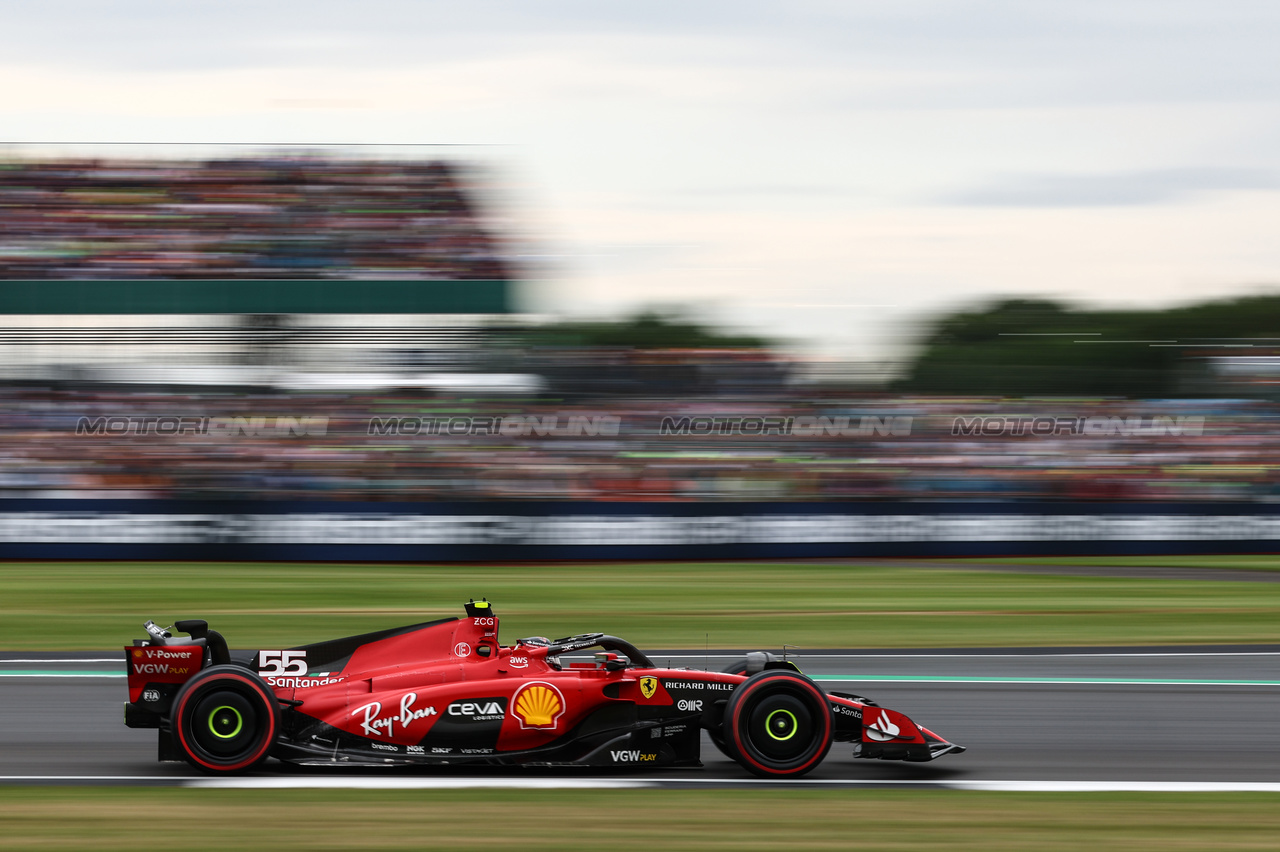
x=447, y=692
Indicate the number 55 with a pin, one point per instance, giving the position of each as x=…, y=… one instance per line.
x=282, y=662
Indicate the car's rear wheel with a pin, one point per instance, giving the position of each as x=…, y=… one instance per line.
x=777, y=723
x=225, y=719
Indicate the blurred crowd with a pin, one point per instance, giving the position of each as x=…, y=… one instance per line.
x=282, y=217
x=910, y=451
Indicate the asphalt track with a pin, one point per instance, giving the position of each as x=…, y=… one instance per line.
x=1155, y=718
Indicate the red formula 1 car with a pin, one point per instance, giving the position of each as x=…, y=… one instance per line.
x=446, y=692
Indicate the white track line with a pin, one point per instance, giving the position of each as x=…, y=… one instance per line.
x=62, y=674
x=1053, y=654
x=641, y=783
x=363, y=783
x=150, y=779
x=1120, y=786
x=52, y=662
x=1029, y=786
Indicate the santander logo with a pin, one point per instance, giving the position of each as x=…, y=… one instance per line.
x=882, y=729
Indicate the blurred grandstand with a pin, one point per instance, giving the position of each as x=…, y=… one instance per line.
x=275, y=270
x=252, y=218
x=162, y=318
x=1209, y=450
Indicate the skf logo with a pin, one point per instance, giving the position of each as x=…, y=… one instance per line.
x=648, y=686
x=538, y=705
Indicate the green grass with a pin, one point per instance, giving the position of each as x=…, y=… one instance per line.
x=101, y=605
x=647, y=820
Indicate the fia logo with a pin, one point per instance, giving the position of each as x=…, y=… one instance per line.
x=648, y=686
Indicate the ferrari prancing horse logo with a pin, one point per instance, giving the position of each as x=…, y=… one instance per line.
x=648, y=686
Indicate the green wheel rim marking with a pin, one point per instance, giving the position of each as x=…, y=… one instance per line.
x=239, y=722
x=769, y=727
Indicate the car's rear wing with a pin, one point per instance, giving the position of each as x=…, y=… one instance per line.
x=157, y=666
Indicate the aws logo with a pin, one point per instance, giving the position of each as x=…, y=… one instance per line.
x=538, y=705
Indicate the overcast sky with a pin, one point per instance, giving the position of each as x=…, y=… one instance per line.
x=824, y=172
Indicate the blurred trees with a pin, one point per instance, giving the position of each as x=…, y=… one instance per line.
x=650, y=354
x=1032, y=346
x=648, y=330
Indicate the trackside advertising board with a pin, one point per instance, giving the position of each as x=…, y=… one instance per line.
x=516, y=531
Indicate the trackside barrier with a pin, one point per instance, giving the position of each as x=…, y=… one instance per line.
x=515, y=531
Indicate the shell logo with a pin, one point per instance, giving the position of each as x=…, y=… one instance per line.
x=137, y=653
x=538, y=705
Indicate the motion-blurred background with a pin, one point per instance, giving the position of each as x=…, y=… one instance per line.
x=163, y=314
x=837, y=255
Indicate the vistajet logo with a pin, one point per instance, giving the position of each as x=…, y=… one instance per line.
x=517, y=425
x=224, y=427
x=800, y=427
x=1097, y=427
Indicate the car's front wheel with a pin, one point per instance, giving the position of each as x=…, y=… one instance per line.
x=225, y=719
x=777, y=723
